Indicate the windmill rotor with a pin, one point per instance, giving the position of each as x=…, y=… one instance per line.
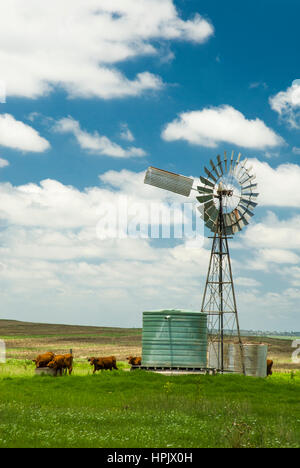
x=231, y=182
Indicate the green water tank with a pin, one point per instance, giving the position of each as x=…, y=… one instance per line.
x=174, y=338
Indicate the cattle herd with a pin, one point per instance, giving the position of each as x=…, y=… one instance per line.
x=64, y=362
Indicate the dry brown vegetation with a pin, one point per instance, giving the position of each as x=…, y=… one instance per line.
x=24, y=340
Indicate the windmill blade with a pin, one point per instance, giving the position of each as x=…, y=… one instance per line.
x=225, y=161
x=204, y=198
x=246, y=198
x=209, y=174
x=246, y=206
x=228, y=231
x=248, y=202
x=240, y=167
x=220, y=164
x=207, y=205
x=206, y=182
x=211, y=225
x=247, y=179
x=249, y=187
x=243, y=218
x=236, y=228
x=169, y=181
x=203, y=215
x=241, y=221
x=227, y=220
x=204, y=190
x=233, y=218
x=247, y=214
x=213, y=213
x=231, y=163
x=214, y=169
x=237, y=162
x=250, y=194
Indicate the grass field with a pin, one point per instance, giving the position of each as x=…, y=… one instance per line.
x=138, y=409
x=142, y=409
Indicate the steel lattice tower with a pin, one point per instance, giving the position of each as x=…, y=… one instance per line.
x=219, y=301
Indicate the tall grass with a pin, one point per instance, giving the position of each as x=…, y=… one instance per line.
x=143, y=409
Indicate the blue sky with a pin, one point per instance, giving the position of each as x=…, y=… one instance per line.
x=80, y=76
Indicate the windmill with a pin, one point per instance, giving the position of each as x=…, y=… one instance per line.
x=226, y=197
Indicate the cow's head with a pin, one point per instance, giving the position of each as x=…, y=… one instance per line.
x=51, y=364
x=92, y=360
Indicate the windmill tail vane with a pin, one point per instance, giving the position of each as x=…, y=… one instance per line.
x=227, y=197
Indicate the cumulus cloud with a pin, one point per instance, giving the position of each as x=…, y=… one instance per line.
x=17, y=135
x=95, y=143
x=77, y=44
x=49, y=246
x=273, y=233
x=212, y=126
x=278, y=186
x=287, y=104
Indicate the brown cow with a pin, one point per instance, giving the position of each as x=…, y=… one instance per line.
x=134, y=361
x=61, y=362
x=43, y=360
x=269, y=367
x=103, y=363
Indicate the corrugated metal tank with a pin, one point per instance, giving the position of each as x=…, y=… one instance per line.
x=174, y=338
x=255, y=358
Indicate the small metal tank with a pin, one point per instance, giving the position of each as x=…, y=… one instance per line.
x=255, y=358
x=174, y=338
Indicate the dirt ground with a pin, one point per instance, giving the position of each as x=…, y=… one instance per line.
x=24, y=340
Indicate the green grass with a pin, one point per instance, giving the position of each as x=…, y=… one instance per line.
x=281, y=337
x=143, y=409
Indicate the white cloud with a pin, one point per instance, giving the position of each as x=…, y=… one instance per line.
x=246, y=282
x=271, y=241
x=17, y=135
x=3, y=163
x=126, y=134
x=77, y=44
x=287, y=104
x=212, y=126
x=277, y=186
x=95, y=143
x=49, y=248
x=296, y=150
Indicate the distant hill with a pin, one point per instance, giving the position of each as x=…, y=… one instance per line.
x=15, y=327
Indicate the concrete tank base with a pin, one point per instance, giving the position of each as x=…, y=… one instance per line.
x=44, y=371
x=176, y=370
